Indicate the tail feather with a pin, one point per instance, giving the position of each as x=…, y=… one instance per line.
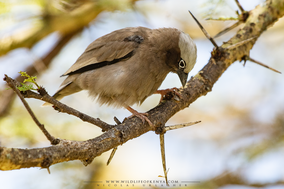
x=57, y=96
x=65, y=90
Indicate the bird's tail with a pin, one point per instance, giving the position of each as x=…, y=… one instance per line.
x=65, y=90
x=57, y=96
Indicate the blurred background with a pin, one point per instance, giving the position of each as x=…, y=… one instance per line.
x=238, y=144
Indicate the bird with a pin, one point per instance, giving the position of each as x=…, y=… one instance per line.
x=128, y=65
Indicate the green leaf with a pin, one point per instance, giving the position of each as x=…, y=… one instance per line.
x=29, y=79
x=26, y=87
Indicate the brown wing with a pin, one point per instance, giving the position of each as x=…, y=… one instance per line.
x=110, y=48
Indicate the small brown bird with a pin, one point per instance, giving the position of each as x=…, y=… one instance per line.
x=126, y=66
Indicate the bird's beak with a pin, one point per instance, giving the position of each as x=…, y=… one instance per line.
x=182, y=76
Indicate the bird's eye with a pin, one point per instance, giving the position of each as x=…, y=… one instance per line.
x=181, y=64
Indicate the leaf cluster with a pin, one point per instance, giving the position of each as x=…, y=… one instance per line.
x=31, y=80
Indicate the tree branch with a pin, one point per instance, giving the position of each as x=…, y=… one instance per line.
x=258, y=21
x=43, y=95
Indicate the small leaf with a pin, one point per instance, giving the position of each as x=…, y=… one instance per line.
x=30, y=79
x=26, y=87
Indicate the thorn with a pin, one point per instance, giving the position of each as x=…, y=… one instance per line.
x=261, y=64
x=237, y=12
x=227, y=29
x=240, y=43
x=162, y=175
x=204, y=31
x=116, y=120
x=239, y=5
x=114, y=149
x=111, y=155
x=181, y=125
x=245, y=61
x=162, y=144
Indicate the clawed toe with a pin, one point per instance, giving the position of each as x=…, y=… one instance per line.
x=169, y=93
x=142, y=116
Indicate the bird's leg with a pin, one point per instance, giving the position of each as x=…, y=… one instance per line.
x=168, y=93
x=142, y=116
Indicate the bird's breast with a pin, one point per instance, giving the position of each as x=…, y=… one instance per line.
x=124, y=83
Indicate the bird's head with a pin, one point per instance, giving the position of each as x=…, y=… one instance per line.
x=187, y=60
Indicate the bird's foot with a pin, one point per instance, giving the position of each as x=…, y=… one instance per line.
x=142, y=116
x=169, y=94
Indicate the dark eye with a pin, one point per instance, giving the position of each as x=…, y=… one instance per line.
x=181, y=64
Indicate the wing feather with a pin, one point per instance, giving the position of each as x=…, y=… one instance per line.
x=109, y=47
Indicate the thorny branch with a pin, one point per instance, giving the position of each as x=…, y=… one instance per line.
x=258, y=21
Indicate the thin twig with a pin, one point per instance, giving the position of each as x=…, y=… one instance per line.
x=65, y=109
x=168, y=128
x=240, y=43
x=12, y=84
x=227, y=29
x=240, y=6
x=162, y=144
x=114, y=149
x=204, y=31
x=259, y=63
